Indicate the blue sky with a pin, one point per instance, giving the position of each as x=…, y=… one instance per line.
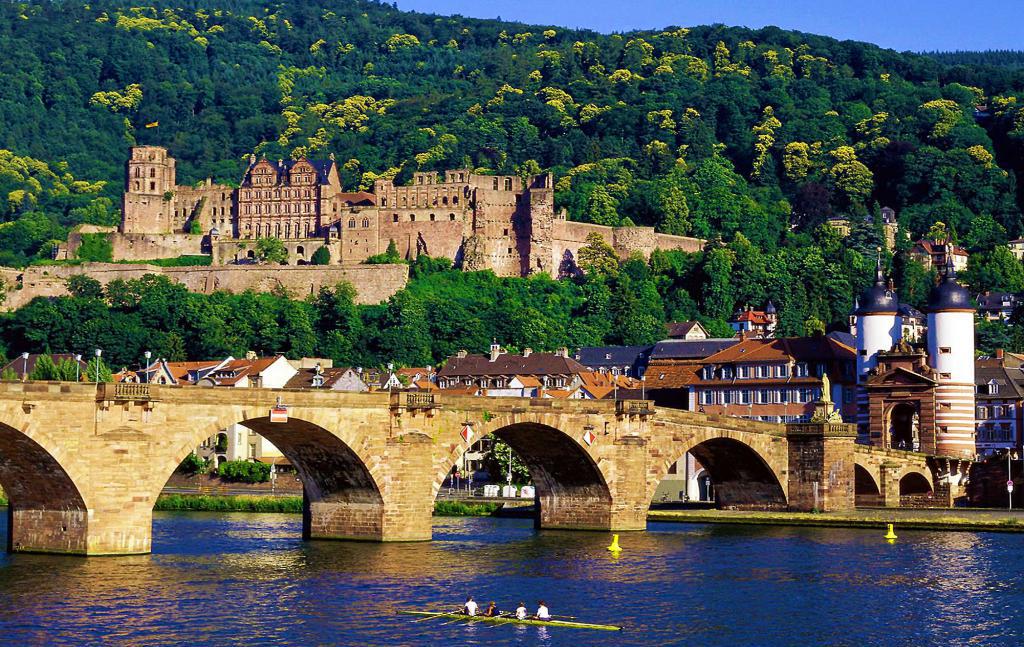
x=900, y=24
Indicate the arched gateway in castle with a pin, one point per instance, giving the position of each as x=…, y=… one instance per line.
x=83, y=464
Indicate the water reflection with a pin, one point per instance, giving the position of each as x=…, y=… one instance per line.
x=248, y=579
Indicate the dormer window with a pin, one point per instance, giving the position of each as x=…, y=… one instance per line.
x=993, y=387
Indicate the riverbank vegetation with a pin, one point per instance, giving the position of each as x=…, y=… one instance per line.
x=752, y=139
x=242, y=503
x=290, y=504
x=463, y=509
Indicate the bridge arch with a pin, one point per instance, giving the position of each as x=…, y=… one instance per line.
x=915, y=483
x=46, y=509
x=571, y=489
x=867, y=490
x=342, y=497
x=746, y=470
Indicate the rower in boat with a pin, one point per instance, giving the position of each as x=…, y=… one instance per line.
x=521, y=612
x=492, y=610
x=542, y=611
x=470, y=608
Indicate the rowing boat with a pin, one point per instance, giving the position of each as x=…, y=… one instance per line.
x=509, y=620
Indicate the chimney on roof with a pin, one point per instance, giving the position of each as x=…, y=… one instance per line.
x=495, y=350
x=251, y=355
x=461, y=354
x=1000, y=355
x=562, y=352
x=527, y=351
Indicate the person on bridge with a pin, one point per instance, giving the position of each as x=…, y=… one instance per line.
x=492, y=610
x=521, y=612
x=542, y=611
x=470, y=608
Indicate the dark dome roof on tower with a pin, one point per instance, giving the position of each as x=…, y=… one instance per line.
x=878, y=298
x=948, y=294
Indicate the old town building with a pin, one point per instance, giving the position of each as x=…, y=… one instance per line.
x=498, y=369
x=776, y=380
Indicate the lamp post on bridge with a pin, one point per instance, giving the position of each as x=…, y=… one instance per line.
x=1010, y=456
x=24, y=367
x=78, y=368
x=145, y=367
x=98, y=352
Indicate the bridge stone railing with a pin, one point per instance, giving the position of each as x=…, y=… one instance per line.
x=414, y=400
x=125, y=391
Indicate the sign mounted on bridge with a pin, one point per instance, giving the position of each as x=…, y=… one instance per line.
x=279, y=413
x=466, y=433
x=589, y=437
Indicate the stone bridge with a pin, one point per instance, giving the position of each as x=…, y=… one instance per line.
x=83, y=464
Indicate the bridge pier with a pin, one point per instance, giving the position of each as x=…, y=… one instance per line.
x=47, y=531
x=620, y=505
x=821, y=466
x=401, y=512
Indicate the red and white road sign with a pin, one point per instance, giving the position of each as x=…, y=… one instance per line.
x=279, y=414
x=466, y=433
x=589, y=437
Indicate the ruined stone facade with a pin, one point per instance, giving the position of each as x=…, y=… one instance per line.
x=503, y=223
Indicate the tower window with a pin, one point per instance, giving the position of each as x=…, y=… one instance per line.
x=394, y=218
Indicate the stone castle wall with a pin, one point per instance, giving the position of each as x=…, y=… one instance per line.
x=568, y=237
x=373, y=283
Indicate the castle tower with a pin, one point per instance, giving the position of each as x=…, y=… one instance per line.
x=951, y=354
x=149, y=180
x=878, y=329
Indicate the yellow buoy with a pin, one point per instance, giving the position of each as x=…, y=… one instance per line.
x=615, y=548
x=890, y=535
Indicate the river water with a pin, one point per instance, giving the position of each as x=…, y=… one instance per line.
x=246, y=579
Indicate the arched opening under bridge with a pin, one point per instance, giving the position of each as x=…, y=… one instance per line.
x=46, y=510
x=569, y=488
x=737, y=476
x=341, y=498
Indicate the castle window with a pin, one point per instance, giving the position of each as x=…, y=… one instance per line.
x=383, y=202
x=432, y=217
x=366, y=223
x=506, y=231
x=461, y=177
x=495, y=184
x=152, y=172
x=278, y=229
x=138, y=172
x=152, y=186
x=451, y=217
x=455, y=199
x=412, y=217
x=137, y=187
x=508, y=184
x=287, y=230
x=351, y=223
x=259, y=230
x=394, y=218
x=444, y=201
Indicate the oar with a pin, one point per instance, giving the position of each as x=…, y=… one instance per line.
x=430, y=617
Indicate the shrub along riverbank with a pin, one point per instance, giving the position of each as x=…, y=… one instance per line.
x=293, y=504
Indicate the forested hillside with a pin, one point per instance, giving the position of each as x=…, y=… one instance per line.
x=752, y=137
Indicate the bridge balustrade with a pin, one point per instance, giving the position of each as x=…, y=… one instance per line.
x=125, y=391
